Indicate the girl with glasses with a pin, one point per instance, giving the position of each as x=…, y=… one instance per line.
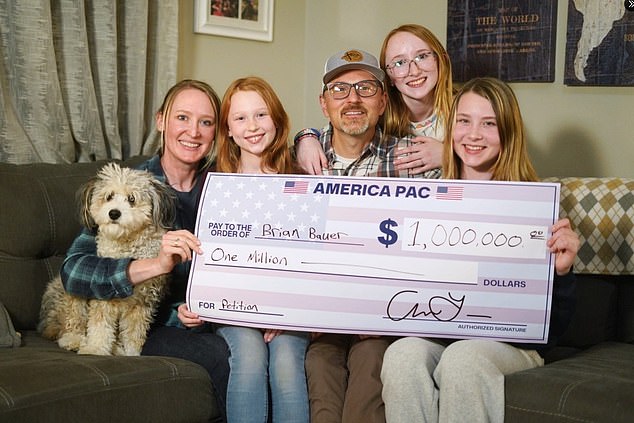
x=419, y=95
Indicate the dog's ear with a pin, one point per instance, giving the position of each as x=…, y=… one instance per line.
x=84, y=198
x=163, y=205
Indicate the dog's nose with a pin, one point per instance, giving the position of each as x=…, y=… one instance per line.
x=114, y=214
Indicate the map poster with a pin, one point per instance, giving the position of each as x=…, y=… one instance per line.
x=599, y=43
x=513, y=40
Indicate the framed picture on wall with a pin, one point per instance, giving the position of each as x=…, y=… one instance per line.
x=513, y=40
x=249, y=19
x=600, y=43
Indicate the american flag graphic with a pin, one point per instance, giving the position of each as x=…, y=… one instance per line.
x=444, y=192
x=295, y=187
x=263, y=199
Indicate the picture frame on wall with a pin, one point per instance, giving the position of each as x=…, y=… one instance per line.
x=513, y=40
x=247, y=19
x=600, y=44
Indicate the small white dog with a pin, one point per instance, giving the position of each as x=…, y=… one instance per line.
x=130, y=210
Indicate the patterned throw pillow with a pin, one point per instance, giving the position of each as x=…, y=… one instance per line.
x=601, y=211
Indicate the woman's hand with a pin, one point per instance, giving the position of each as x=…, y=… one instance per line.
x=564, y=243
x=177, y=247
x=269, y=334
x=187, y=318
x=310, y=155
x=425, y=153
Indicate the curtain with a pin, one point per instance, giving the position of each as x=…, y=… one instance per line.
x=80, y=80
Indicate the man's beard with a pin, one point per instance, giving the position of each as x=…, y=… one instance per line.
x=354, y=126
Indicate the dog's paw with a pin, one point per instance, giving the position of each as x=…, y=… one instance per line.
x=130, y=352
x=70, y=341
x=49, y=332
x=86, y=349
x=127, y=350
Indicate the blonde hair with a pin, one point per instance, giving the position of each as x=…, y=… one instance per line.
x=513, y=162
x=168, y=102
x=277, y=156
x=396, y=119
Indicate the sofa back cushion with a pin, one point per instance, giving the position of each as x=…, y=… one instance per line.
x=595, y=318
x=601, y=211
x=38, y=222
x=625, y=331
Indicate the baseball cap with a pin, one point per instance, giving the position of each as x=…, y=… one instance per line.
x=352, y=59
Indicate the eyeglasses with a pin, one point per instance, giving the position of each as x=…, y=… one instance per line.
x=341, y=90
x=400, y=68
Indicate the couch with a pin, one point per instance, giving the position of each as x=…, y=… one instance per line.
x=589, y=377
x=40, y=382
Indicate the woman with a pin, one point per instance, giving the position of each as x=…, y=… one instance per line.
x=252, y=138
x=419, y=95
x=187, y=122
x=430, y=380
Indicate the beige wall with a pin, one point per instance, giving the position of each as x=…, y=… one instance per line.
x=573, y=131
x=220, y=60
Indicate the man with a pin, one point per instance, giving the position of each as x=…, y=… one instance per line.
x=353, y=112
x=343, y=371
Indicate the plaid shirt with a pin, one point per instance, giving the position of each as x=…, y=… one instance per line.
x=88, y=275
x=376, y=159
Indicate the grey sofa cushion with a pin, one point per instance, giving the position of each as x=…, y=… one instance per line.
x=40, y=382
x=596, y=385
x=8, y=336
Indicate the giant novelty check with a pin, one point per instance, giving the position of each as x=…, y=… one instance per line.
x=437, y=258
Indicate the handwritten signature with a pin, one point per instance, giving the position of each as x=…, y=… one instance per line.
x=441, y=308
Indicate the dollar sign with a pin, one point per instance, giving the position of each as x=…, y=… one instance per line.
x=390, y=236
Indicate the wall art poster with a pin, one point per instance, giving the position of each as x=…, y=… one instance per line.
x=510, y=40
x=599, y=43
